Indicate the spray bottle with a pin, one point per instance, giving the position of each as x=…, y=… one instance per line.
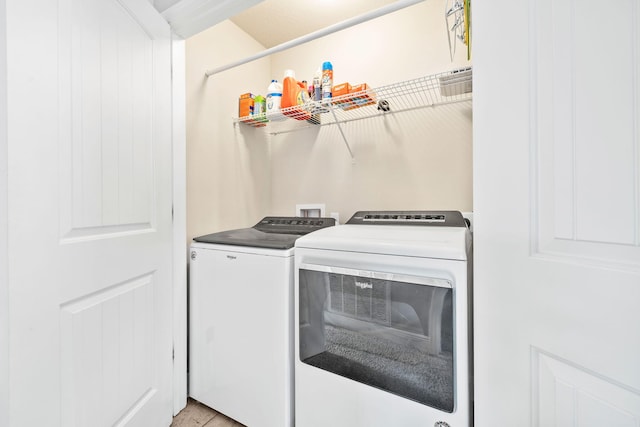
x=327, y=80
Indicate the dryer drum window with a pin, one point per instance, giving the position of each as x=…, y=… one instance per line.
x=393, y=335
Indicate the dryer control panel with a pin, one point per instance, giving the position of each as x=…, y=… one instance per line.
x=428, y=218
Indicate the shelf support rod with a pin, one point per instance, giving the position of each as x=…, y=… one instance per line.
x=344, y=138
x=400, y=4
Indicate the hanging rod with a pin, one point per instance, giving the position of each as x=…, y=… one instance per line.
x=401, y=4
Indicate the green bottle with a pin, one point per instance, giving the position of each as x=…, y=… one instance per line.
x=260, y=108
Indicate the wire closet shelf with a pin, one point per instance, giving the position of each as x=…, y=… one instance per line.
x=423, y=92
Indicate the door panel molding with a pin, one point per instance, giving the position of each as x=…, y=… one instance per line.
x=106, y=113
x=574, y=136
x=566, y=394
x=107, y=353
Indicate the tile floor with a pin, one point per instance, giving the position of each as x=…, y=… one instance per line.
x=195, y=414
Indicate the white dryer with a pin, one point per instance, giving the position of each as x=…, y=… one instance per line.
x=241, y=320
x=383, y=315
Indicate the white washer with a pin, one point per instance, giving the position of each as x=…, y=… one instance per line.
x=240, y=320
x=383, y=332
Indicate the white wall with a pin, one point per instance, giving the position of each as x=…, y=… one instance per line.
x=416, y=160
x=228, y=167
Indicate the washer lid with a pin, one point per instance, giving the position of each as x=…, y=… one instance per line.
x=270, y=232
x=250, y=237
x=428, y=242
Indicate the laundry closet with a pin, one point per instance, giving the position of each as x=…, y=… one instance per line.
x=408, y=149
x=416, y=159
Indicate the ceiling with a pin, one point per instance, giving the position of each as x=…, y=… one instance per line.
x=272, y=22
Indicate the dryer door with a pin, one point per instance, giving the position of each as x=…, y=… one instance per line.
x=390, y=331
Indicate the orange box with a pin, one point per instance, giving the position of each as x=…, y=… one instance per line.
x=245, y=105
x=342, y=90
x=362, y=95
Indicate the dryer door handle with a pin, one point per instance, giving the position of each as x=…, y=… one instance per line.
x=394, y=277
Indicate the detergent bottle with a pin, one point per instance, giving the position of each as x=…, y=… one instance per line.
x=274, y=100
x=294, y=94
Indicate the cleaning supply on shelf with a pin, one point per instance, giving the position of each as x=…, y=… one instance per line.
x=294, y=96
x=246, y=104
x=247, y=110
x=327, y=80
x=339, y=97
x=317, y=85
x=260, y=108
x=362, y=95
x=274, y=100
x=348, y=97
x=315, y=94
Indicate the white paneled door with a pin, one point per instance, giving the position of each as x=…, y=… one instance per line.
x=557, y=213
x=89, y=148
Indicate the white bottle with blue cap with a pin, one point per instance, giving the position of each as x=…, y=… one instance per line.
x=274, y=99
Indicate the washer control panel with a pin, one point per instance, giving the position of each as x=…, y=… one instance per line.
x=293, y=225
